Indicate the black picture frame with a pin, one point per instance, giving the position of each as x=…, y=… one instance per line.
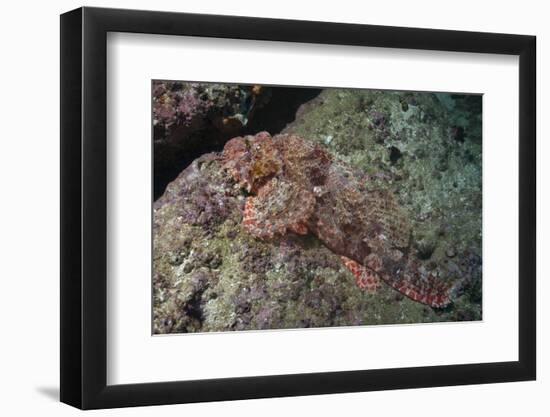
x=84, y=207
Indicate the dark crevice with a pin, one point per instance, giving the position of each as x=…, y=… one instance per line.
x=395, y=155
x=193, y=308
x=280, y=110
x=273, y=117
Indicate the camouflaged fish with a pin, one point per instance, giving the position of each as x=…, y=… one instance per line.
x=297, y=187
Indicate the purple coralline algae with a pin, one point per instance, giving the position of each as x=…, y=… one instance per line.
x=227, y=255
x=185, y=105
x=193, y=118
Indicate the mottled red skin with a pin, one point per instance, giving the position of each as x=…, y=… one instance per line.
x=297, y=187
x=364, y=278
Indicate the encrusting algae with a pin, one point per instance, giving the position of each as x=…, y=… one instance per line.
x=270, y=231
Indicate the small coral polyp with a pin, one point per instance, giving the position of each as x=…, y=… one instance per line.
x=296, y=186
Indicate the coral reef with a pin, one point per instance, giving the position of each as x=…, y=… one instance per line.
x=190, y=117
x=211, y=272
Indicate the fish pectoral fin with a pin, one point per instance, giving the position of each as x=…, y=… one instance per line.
x=365, y=278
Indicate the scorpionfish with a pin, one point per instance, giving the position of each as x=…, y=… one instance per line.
x=296, y=186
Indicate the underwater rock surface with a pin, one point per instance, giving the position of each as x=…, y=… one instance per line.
x=186, y=115
x=211, y=275
x=190, y=119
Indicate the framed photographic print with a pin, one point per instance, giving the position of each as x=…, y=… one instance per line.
x=256, y=208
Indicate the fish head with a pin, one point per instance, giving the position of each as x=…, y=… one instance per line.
x=252, y=160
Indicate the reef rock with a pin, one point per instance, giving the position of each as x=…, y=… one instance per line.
x=212, y=274
x=193, y=118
